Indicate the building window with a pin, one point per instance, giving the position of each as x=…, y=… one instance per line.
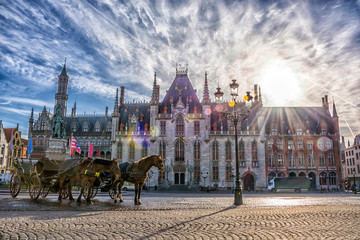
x=299, y=132
x=197, y=171
x=144, y=149
x=331, y=159
x=274, y=132
x=280, y=160
x=179, y=151
x=309, y=146
x=215, y=151
x=242, y=164
x=162, y=149
x=241, y=150
x=132, y=151
x=215, y=172
x=332, y=179
x=163, y=128
x=196, y=128
x=291, y=145
x=322, y=178
x=196, y=150
x=228, y=150
x=228, y=177
x=279, y=144
x=311, y=160
x=323, y=132
x=254, y=152
x=300, y=145
x=119, y=151
x=291, y=160
x=271, y=160
x=322, y=159
x=255, y=164
x=179, y=125
x=301, y=160
x=270, y=144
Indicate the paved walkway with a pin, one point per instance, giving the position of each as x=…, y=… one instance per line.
x=184, y=216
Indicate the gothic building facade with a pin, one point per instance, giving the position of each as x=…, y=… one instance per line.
x=196, y=139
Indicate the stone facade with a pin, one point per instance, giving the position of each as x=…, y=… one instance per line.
x=351, y=165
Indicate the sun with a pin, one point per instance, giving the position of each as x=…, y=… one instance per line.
x=279, y=85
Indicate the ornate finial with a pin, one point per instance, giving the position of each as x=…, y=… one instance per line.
x=65, y=62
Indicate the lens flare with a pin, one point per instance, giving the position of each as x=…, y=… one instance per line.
x=324, y=144
x=231, y=104
x=207, y=111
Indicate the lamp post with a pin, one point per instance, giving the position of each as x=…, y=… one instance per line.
x=353, y=171
x=235, y=117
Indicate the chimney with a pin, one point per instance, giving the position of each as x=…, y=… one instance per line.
x=106, y=111
x=122, y=96
x=323, y=101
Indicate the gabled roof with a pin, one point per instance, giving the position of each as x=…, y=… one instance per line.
x=135, y=110
x=91, y=120
x=180, y=86
x=8, y=132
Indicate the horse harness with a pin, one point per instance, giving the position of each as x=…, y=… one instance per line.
x=90, y=173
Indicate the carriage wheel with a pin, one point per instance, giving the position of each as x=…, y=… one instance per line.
x=93, y=192
x=112, y=193
x=65, y=191
x=15, y=185
x=44, y=191
x=34, y=187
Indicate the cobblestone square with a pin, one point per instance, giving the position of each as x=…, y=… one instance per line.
x=184, y=216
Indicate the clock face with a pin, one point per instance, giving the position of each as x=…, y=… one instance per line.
x=324, y=144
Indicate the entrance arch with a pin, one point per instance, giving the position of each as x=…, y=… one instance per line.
x=312, y=177
x=179, y=175
x=249, y=182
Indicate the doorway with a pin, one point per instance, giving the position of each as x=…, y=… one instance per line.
x=249, y=182
x=179, y=178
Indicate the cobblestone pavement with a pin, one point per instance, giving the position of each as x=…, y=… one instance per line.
x=184, y=216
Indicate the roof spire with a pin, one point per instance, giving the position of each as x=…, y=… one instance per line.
x=334, y=110
x=63, y=71
x=116, y=104
x=206, y=95
x=154, y=97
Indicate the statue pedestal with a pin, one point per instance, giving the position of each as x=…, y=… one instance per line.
x=58, y=150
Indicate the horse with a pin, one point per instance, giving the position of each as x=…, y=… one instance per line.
x=137, y=172
x=85, y=172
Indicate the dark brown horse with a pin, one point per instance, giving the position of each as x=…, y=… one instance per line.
x=85, y=173
x=137, y=173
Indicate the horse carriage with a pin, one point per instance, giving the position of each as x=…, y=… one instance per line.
x=46, y=175
x=36, y=175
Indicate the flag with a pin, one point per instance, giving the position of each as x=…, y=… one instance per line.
x=75, y=145
x=30, y=148
x=98, y=152
x=91, y=149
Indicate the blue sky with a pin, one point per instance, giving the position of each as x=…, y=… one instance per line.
x=297, y=51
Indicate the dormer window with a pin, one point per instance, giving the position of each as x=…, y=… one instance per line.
x=299, y=131
x=323, y=131
x=274, y=131
x=85, y=127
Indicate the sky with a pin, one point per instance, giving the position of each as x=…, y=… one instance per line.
x=297, y=51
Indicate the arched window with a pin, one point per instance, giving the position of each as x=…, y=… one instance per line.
x=254, y=152
x=279, y=144
x=179, y=125
x=162, y=149
x=215, y=151
x=179, y=150
x=241, y=150
x=322, y=178
x=229, y=174
x=196, y=150
x=132, y=150
x=228, y=150
x=119, y=151
x=332, y=179
x=144, y=148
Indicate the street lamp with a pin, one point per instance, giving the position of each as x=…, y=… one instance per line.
x=235, y=117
